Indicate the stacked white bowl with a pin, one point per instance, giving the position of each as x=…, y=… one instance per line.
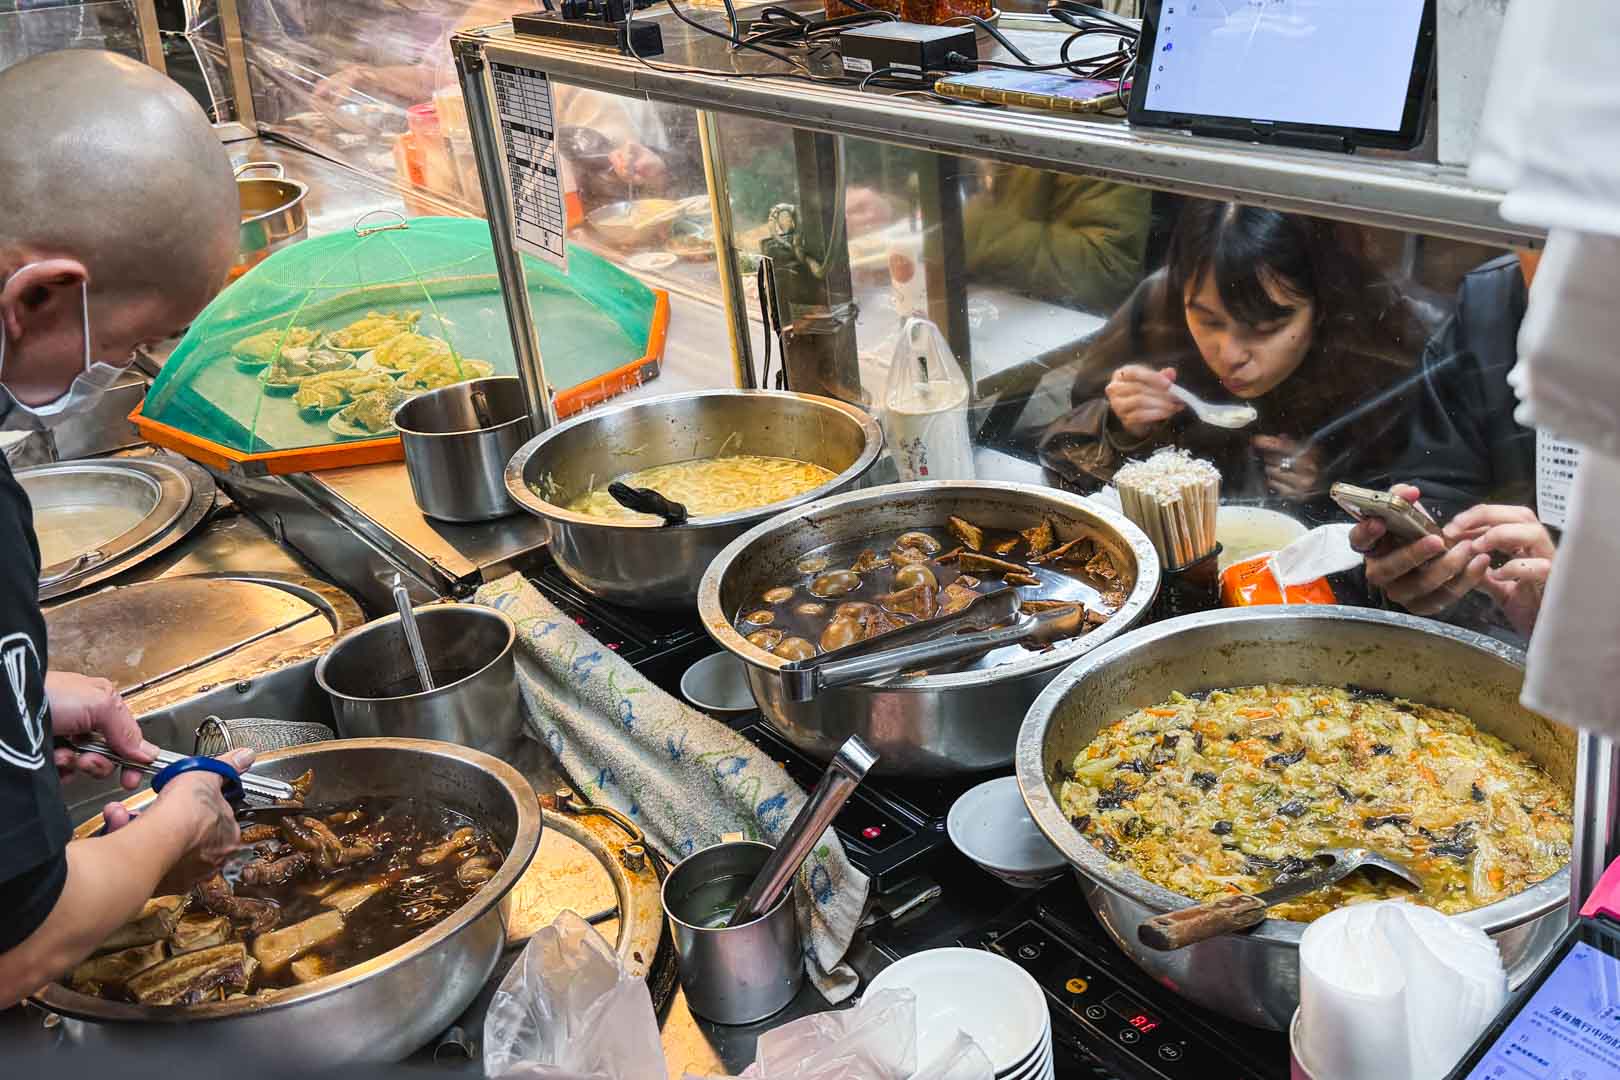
x=986, y=996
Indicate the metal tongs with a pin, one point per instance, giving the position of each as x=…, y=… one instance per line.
x=237, y=788
x=976, y=629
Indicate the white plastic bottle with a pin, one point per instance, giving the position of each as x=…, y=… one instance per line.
x=925, y=407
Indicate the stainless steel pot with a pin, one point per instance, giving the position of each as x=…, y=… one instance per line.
x=457, y=441
x=273, y=214
x=387, y=1007
x=658, y=566
x=1254, y=976
x=933, y=725
x=370, y=677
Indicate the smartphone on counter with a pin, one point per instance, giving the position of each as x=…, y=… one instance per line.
x=1406, y=522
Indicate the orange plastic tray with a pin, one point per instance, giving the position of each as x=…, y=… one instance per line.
x=373, y=451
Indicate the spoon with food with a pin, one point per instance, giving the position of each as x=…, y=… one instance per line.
x=1222, y=416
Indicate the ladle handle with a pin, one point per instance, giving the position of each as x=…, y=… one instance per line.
x=647, y=501
x=481, y=409
x=1187, y=926
x=413, y=636
x=849, y=767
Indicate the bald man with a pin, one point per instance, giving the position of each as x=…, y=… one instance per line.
x=118, y=221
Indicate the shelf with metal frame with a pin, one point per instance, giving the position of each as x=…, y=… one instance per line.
x=1368, y=188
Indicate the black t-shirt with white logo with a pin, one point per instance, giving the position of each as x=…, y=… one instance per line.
x=34, y=828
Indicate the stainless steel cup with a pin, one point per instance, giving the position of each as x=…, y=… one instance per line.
x=737, y=975
x=457, y=441
x=370, y=677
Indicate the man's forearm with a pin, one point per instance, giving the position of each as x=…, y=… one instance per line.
x=109, y=878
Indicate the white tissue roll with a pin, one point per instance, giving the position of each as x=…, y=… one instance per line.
x=1393, y=991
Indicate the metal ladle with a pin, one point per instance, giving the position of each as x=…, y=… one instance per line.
x=413, y=635
x=1190, y=925
x=849, y=767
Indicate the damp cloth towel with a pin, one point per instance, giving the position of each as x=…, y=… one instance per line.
x=685, y=778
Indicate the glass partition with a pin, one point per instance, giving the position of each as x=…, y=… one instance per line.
x=372, y=84
x=30, y=27
x=1072, y=304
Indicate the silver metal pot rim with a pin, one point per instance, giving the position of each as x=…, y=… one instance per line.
x=1535, y=901
x=414, y=433
x=280, y=208
x=475, y=610
x=525, y=841
x=718, y=623
x=534, y=504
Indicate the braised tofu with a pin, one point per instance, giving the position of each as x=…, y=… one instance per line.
x=279, y=948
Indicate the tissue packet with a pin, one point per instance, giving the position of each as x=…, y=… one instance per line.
x=1251, y=582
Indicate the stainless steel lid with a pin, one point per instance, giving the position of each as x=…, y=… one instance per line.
x=218, y=626
x=98, y=518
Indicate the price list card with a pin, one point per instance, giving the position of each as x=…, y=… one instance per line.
x=529, y=135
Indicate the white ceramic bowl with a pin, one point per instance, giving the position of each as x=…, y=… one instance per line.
x=991, y=825
x=1247, y=531
x=989, y=997
x=718, y=684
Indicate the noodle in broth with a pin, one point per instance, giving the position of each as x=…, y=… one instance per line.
x=710, y=486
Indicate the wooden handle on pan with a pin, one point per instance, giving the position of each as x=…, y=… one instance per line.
x=1188, y=926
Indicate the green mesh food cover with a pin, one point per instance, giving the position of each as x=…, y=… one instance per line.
x=316, y=345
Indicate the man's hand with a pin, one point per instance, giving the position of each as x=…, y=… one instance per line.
x=1140, y=397
x=1290, y=474
x=81, y=705
x=1516, y=533
x=1430, y=576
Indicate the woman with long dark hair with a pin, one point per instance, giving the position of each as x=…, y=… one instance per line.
x=1285, y=312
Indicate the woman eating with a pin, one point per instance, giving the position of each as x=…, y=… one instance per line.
x=1284, y=312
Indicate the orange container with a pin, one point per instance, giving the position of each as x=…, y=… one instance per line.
x=1250, y=583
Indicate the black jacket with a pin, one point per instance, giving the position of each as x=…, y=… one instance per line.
x=1464, y=447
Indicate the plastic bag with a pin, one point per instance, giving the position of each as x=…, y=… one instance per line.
x=567, y=1011
x=876, y=1040
x=925, y=407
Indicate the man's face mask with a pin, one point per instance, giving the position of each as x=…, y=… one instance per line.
x=87, y=386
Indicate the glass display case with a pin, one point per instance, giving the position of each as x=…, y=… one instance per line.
x=1075, y=269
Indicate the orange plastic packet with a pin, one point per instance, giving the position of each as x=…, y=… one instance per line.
x=1250, y=583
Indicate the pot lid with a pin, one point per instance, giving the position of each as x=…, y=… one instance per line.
x=98, y=518
x=594, y=862
x=141, y=635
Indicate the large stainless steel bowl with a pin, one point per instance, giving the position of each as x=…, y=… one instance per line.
x=653, y=565
x=387, y=1007
x=1254, y=976
x=932, y=725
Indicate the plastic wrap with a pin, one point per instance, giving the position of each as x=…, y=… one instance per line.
x=876, y=1040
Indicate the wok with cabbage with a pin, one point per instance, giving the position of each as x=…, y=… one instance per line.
x=1224, y=792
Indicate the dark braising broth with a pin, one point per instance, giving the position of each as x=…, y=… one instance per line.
x=313, y=893
x=842, y=593
x=415, y=898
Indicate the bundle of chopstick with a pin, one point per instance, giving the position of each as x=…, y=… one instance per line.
x=1172, y=496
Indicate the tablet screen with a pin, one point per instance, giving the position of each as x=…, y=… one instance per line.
x=1328, y=63
x=1570, y=1027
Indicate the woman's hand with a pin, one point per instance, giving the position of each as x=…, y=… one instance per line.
x=197, y=816
x=1290, y=474
x=81, y=705
x=1140, y=397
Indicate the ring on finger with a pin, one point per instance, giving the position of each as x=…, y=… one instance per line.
x=1285, y=465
